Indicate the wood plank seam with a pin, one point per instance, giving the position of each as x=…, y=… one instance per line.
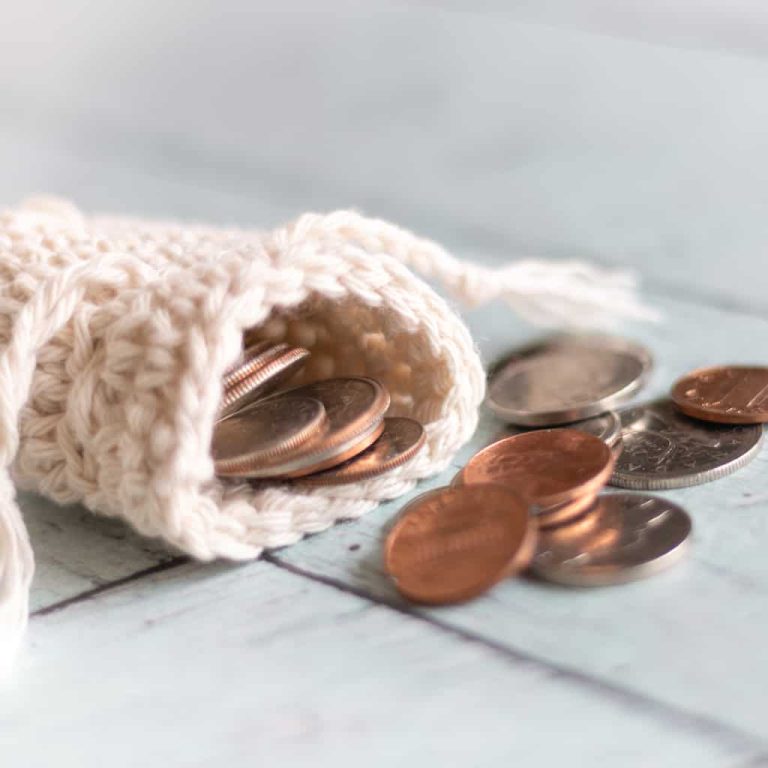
x=682, y=718
x=166, y=565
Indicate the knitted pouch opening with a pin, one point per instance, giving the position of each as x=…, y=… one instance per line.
x=125, y=397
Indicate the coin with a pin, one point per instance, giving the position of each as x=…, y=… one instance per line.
x=727, y=394
x=574, y=527
x=248, y=363
x=665, y=449
x=452, y=544
x=263, y=431
x=568, y=379
x=275, y=366
x=605, y=426
x=645, y=535
x=548, y=466
x=398, y=443
x=355, y=409
x=560, y=514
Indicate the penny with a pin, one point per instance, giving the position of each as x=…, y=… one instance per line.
x=355, y=409
x=453, y=544
x=567, y=379
x=665, y=449
x=574, y=527
x=398, y=443
x=248, y=363
x=548, y=466
x=560, y=514
x=635, y=536
x=605, y=426
x=263, y=431
x=275, y=366
x=728, y=394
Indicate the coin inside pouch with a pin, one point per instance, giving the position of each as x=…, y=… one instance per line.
x=347, y=338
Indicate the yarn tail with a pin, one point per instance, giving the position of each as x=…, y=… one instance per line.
x=566, y=293
x=16, y=570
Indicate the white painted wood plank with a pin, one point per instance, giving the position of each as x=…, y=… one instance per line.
x=693, y=638
x=76, y=551
x=235, y=666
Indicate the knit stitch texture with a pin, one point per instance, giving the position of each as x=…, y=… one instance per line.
x=115, y=334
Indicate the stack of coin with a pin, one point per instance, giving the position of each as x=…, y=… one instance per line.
x=710, y=427
x=325, y=433
x=542, y=484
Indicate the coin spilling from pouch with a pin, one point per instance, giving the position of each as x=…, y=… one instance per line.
x=329, y=432
x=563, y=443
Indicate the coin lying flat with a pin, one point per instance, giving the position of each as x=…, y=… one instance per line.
x=665, y=449
x=264, y=431
x=355, y=409
x=453, y=544
x=271, y=368
x=398, y=443
x=248, y=363
x=728, y=394
x=635, y=536
x=568, y=379
x=548, y=466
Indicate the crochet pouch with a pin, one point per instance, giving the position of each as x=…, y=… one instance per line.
x=115, y=335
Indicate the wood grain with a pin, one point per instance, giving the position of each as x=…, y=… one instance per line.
x=239, y=665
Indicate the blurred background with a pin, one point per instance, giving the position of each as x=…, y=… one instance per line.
x=631, y=133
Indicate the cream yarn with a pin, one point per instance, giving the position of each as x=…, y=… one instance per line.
x=115, y=334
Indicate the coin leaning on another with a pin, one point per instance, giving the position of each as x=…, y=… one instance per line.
x=567, y=379
x=453, y=544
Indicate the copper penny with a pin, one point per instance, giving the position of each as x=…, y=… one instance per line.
x=548, y=467
x=550, y=517
x=574, y=527
x=355, y=409
x=247, y=364
x=728, y=394
x=264, y=431
x=270, y=369
x=398, y=443
x=453, y=544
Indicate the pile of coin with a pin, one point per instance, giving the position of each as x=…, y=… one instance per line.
x=325, y=433
x=532, y=500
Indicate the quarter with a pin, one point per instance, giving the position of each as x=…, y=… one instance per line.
x=634, y=536
x=665, y=449
x=567, y=380
x=452, y=544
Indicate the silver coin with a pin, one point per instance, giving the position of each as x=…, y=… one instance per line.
x=632, y=537
x=665, y=449
x=567, y=379
x=605, y=427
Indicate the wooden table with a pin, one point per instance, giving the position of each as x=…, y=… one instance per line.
x=503, y=135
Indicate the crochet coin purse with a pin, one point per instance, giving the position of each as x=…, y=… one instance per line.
x=115, y=334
